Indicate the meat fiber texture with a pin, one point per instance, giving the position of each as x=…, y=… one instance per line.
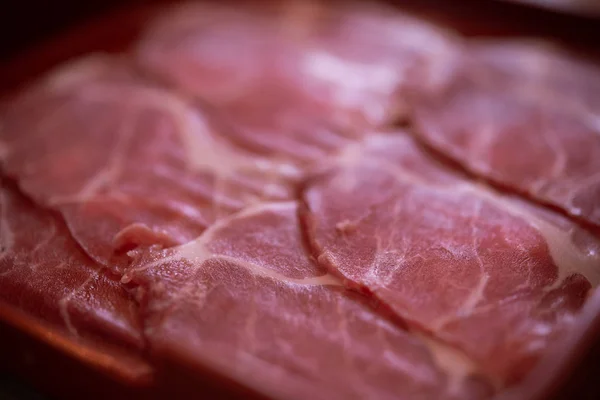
x=265, y=191
x=525, y=116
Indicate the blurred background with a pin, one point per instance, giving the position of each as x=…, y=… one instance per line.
x=25, y=22
x=26, y=25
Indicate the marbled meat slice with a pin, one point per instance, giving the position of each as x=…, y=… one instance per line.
x=525, y=116
x=495, y=277
x=540, y=70
x=128, y=163
x=47, y=278
x=296, y=77
x=246, y=300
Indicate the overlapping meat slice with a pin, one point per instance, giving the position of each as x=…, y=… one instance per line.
x=296, y=77
x=246, y=300
x=495, y=277
x=540, y=70
x=525, y=116
x=49, y=280
x=126, y=162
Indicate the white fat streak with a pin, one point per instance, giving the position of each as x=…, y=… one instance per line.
x=477, y=293
x=574, y=188
x=567, y=257
x=543, y=61
x=259, y=270
x=350, y=154
x=536, y=63
x=50, y=234
x=455, y=364
x=415, y=371
x=594, y=122
x=421, y=37
x=197, y=251
x=63, y=305
x=107, y=174
x=204, y=151
x=76, y=72
x=436, y=48
x=349, y=76
x=207, y=236
x=350, y=82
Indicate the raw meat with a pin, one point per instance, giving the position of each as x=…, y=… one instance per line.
x=229, y=196
x=245, y=299
x=127, y=135
x=44, y=275
x=496, y=278
x=301, y=76
x=524, y=116
x=122, y=159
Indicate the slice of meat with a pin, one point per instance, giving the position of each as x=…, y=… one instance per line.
x=495, y=277
x=246, y=300
x=122, y=159
x=296, y=77
x=48, y=279
x=526, y=117
x=540, y=70
x=204, y=135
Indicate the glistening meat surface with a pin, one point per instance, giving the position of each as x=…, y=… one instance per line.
x=230, y=195
x=494, y=277
x=526, y=116
x=246, y=299
x=301, y=76
x=122, y=159
x=45, y=276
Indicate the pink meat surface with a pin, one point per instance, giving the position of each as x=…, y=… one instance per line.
x=231, y=194
x=122, y=159
x=245, y=298
x=525, y=116
x=494, y=277
x=300, y=74
x=45, y=275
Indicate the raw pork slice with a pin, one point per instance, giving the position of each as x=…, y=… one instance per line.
x=294, y=74
x=497, y=278
x=230, y=170
x=245, y=299
x=48, y=279
x=524, y=116
x=128, y=163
